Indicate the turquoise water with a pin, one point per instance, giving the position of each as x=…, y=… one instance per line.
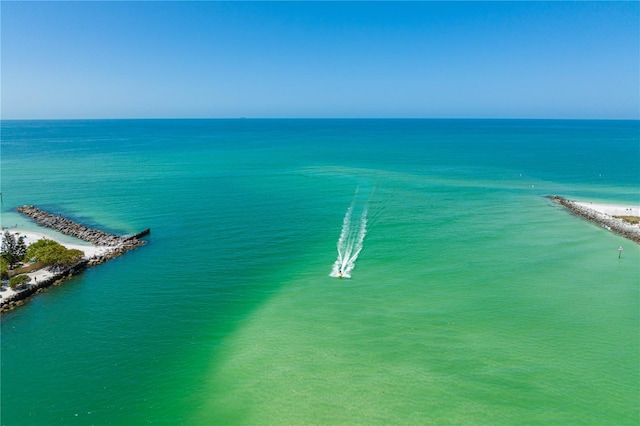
x=473, y=299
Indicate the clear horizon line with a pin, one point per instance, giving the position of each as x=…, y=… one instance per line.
x=318, y=118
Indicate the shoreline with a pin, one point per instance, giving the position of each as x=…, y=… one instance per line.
x=605, y=215
x=91, y=252
x=100, y=248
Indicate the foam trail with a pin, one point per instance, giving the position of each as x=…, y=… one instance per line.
x=344, y=235
x=350, y=242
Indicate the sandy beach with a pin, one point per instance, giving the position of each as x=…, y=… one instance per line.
x=611, y=209
x=31, y=237
x=608, y=216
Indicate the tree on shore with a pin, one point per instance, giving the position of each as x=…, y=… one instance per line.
x=13, y=250
x=69, y=257
x=19, y=281
x=52, y=253
x=4, y=268
x=44, y=251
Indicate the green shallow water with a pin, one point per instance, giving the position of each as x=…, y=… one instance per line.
x=508, y=331
x=474, y=300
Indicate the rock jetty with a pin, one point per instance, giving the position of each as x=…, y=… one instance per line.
x=18, y=299
x=608, y=222
x=117, y=246
x=69, y=227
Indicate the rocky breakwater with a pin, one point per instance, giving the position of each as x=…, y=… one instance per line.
x=18, y=299
x=608, y=222
x=116, y=245
x=66, y=226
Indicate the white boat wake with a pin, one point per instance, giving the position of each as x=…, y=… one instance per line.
x=351, y=239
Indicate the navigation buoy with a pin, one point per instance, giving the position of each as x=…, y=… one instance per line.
x=620, y=251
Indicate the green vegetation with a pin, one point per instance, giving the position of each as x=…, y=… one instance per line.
x=4, y=269
x=70, y=257
x=52, y=253
x=19, y=281
x=630, y=219
x=13, y=249
x=44, y=250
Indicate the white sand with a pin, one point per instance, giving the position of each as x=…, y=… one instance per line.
x=31, y=237
x=89, y=249
x=612, y=209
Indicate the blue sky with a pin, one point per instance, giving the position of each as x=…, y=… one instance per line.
x=330, y=59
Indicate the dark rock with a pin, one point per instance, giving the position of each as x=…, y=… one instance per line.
x=119, y=245
x=611, y=223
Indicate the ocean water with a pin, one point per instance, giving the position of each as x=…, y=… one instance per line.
x=472, y=299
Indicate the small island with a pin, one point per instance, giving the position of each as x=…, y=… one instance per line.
x=31, y=261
